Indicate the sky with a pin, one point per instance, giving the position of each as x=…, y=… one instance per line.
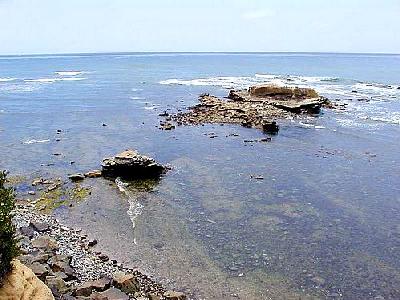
x=80, y=26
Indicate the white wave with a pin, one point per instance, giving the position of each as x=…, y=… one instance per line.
x=136, y=90
x=226, y=82
x=7, y=79
x=151, y=107
x=71, y=79
x=42, y=80
x=69, y=73
x=52, y=80
x=33, y=141
x=137, y=98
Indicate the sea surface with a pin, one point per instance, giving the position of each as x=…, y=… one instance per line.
x=323, y=223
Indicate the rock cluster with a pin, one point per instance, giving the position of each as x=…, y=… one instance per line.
x=258, y=107
x=131, y=164
x=65, y=260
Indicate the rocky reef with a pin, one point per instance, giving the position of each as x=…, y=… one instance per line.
x=258, y=107
x=131, y=165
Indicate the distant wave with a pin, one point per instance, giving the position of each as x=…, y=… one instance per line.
x=51, y=80
x=33, y=141
x=69, y=73
x=7, y=79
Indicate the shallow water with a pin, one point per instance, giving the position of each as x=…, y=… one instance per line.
x=322, y=222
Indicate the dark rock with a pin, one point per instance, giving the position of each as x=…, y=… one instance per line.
x=27, y=231
x=104, y=257
x=92, y=243
x=126, y=283
x=130, y=164
x=270, y=127
x=76, y=177
x=39, y=227
x=88, y=287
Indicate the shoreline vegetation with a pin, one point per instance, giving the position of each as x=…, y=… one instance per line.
x=66, y=260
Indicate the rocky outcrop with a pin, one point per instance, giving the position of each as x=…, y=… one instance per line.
x=22, y=283
x=131, y=164
x=258, y=107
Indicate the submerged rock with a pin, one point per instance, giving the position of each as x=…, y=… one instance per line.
x=131, y=164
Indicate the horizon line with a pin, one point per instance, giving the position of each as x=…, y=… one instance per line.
x=193, y=52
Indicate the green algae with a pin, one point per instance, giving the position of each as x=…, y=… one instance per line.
x=61, y=195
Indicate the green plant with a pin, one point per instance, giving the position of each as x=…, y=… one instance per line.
x=8, y=242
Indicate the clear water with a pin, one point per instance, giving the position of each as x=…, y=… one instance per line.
x=322, y=223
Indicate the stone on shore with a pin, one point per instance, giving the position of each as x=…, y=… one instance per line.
x=126, y=282
x=110, y=294
x=131, y=164
x=45, y=243
x=88, y=287
x=172, y=295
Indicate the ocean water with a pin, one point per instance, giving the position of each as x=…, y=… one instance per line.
x=323, y=223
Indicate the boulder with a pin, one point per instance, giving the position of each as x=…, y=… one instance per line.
x=126, y=282
x=76, y=177
x=45, y=243
x=172, y=295
x=39, y=227
x=90, y=286
x=131, y=164
x=93, y=174
x=57, y=285
x=22, y=283
x=40, y=270
x=110, y=294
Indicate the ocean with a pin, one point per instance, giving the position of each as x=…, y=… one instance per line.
x=323, y=222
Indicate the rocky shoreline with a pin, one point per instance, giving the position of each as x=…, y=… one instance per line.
x=64, y=258
x=68, y=263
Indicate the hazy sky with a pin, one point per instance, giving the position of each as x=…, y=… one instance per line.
x=64, y=26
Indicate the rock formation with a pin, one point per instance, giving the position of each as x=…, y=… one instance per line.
x=131, y=164
x=258, y=107
x=22, y=283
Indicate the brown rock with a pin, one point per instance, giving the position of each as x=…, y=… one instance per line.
x=41, y=271
x=22, y=283
x=88, y=287
x=126, y=282
x=110, y=294
x=93, y=174
x=172, y=295
x=57, y=285
x=45, y=243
